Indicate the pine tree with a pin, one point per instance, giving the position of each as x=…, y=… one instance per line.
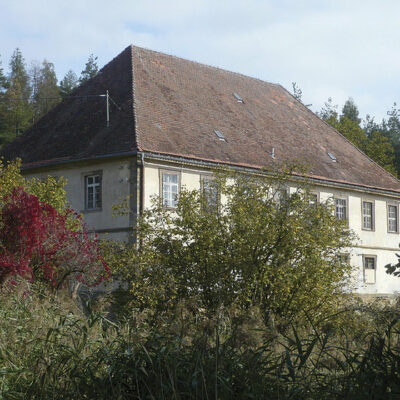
x=350, y=111
x=46, y=93
x=91, y=69
x=19, y=113
x=68, y=83
x=3, y=108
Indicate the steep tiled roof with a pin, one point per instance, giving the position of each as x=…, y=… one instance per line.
x=172, y=106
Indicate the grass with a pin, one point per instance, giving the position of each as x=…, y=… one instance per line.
x=50, y=350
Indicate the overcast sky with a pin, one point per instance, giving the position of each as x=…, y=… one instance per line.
x=335, y=49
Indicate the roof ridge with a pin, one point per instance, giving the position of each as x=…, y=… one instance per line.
x=344, y=137
x=203, y=64
x=134, y=117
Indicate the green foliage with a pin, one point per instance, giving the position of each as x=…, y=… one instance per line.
x=50, y=191
x=374, y=140
x=17, y=96
x=264, y=248
x=68, y=83
x=350, y=111
x=50, y=350
x=91, y=69
x=46, y=93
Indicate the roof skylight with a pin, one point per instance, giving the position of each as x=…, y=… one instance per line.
x=333, y=158
x=238, y=98
x=220, y=135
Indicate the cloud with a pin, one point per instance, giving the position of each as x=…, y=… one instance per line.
x=330, y=48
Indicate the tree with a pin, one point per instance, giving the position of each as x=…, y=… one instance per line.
x=91, y=69
x=373, y=139
x=264, y=248
x=329, y=111
x=3, y=110
x=379, y=148
x=39, y=241
x=350, y=111
x=17, y=96
x=68, y=83
x=297, y=92
x=46, y=93
x=349, y=129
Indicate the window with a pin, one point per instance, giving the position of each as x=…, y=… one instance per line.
x=369, y=264
x=210, y=193
x=393, y=225
x=313, y=200
x=341, y=209
x=368, y=215
x=170, y=188
x=93, y=192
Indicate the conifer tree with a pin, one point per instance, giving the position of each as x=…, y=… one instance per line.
x=46, y=93
x=17, y=96
x=91, y=69
x=3, y=87
x=68, y=83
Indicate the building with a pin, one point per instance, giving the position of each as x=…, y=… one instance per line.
x=172, y=120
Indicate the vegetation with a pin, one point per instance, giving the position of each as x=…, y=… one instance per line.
x=241, y=301
x=262, y=248
x=26, y=94
x=39, y=242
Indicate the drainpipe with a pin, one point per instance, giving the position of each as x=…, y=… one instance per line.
x=141, y=205
x=141, y=199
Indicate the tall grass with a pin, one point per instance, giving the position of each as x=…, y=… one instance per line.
x=50, y=350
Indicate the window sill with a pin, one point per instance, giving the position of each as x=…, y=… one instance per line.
x=91, y=210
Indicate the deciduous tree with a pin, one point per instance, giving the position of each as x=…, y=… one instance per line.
x=263, y=248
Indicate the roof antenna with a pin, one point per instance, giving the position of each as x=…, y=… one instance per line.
x=108, y=109
x=273, y=153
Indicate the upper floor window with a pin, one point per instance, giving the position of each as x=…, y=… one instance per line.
x=210, y=193
x=341, y=209
x=170, y=188
x=93, y=192
x=369, y=265
x=368, y=215
x=393, y=225
x=313, y=199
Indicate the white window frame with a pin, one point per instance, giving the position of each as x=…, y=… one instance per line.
x=169, y=203
x=345, y=199
x=364, y=216
x=209, y=205
x=366, y=275
x=388, y=218
x=90, y=203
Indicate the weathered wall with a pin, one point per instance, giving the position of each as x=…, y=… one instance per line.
x=116, y=185
x=379, y=242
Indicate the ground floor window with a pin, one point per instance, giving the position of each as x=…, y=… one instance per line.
x=93, y=192
x=369, y=267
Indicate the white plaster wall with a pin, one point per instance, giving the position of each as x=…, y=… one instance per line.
x=377, y=243
x=115, y=186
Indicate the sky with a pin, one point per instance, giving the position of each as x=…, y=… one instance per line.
x=336, y=49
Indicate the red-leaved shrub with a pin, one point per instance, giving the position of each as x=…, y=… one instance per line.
x=37, y=242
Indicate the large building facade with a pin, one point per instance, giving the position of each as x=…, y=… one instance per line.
x=172, y=122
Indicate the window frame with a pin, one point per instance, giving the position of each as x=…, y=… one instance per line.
x=204, y=177
x=317, y=201
x=87, y=175
x=375, y=258
x=161, y=191
x=346, y=199
x=395, y=204
x=372, y=201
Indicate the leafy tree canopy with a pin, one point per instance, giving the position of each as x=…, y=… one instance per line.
x=263, y=248
x=40, y=237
